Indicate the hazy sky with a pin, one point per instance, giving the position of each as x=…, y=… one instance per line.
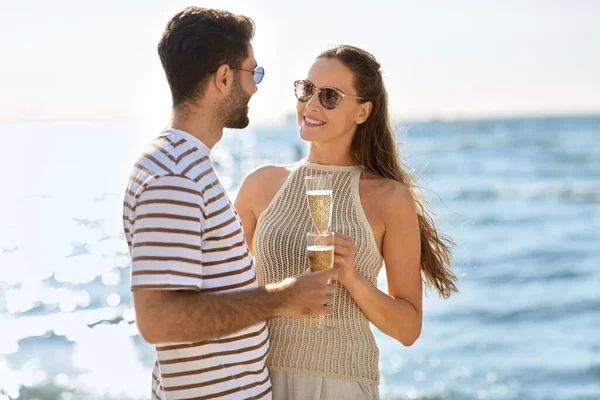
x=442, y=59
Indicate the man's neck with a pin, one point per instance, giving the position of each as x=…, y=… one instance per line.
x=198, y=122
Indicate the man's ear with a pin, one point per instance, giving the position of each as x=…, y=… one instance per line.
x=223, y=78
x=365, y=111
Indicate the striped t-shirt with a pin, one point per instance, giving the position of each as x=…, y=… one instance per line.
x=184, y=234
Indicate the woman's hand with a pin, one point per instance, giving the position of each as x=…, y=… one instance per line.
x=344, y=259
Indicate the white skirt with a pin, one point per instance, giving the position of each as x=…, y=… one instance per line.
x=295, y=386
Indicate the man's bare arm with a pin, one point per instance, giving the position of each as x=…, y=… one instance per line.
x=165, y=316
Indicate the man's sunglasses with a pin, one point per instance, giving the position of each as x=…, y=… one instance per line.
x=258, y=73
x=329, y=97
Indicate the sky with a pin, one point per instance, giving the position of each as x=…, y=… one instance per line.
x=64, y=59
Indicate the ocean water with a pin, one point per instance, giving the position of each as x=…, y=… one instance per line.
x=520, y=197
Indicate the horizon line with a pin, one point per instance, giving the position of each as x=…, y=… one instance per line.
x=285, y=119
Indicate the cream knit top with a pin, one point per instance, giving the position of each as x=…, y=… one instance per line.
x=348, y=352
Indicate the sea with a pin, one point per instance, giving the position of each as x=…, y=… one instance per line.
x=520, y=197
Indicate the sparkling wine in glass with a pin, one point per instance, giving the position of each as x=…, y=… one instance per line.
x=319, y=251
x=319, y=194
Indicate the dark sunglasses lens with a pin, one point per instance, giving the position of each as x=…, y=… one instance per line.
x=259, y=73
x=304, y=90
x=329, y=98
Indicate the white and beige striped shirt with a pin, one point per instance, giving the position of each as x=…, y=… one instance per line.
x=184, y=234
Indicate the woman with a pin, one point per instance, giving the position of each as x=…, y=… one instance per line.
x=343, y=112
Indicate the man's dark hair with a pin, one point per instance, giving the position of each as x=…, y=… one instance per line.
x=195, y=43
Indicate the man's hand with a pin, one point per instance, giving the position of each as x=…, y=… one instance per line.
x=307, y=295
x=168, y=316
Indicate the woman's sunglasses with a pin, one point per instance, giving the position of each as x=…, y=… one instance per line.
x=257, y=74
x=328, y=97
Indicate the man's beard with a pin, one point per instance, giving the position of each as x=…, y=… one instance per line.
x=233, y=111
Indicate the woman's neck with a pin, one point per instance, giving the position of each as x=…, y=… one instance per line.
x=328, y=155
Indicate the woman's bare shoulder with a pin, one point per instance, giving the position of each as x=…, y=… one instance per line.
x=267, y=175
x=386, y=187
x=260, y=186
x=392, y=194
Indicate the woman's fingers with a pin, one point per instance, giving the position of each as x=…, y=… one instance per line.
x=341, y=252
x=342, y=238
x=339, y=259
x=342, y=243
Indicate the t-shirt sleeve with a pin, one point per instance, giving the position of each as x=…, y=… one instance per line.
x=167, y=236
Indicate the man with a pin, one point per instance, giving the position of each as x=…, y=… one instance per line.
x=193, y=280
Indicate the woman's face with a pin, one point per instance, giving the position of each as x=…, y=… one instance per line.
x=319, y=124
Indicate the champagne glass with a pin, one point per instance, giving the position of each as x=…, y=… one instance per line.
x=319, y=251
x=319, y=193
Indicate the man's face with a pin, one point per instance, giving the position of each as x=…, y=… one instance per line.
x=234, y=108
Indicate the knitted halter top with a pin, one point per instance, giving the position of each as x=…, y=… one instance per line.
x=348, y=352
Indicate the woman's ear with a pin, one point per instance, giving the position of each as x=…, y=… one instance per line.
x=365, y=111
